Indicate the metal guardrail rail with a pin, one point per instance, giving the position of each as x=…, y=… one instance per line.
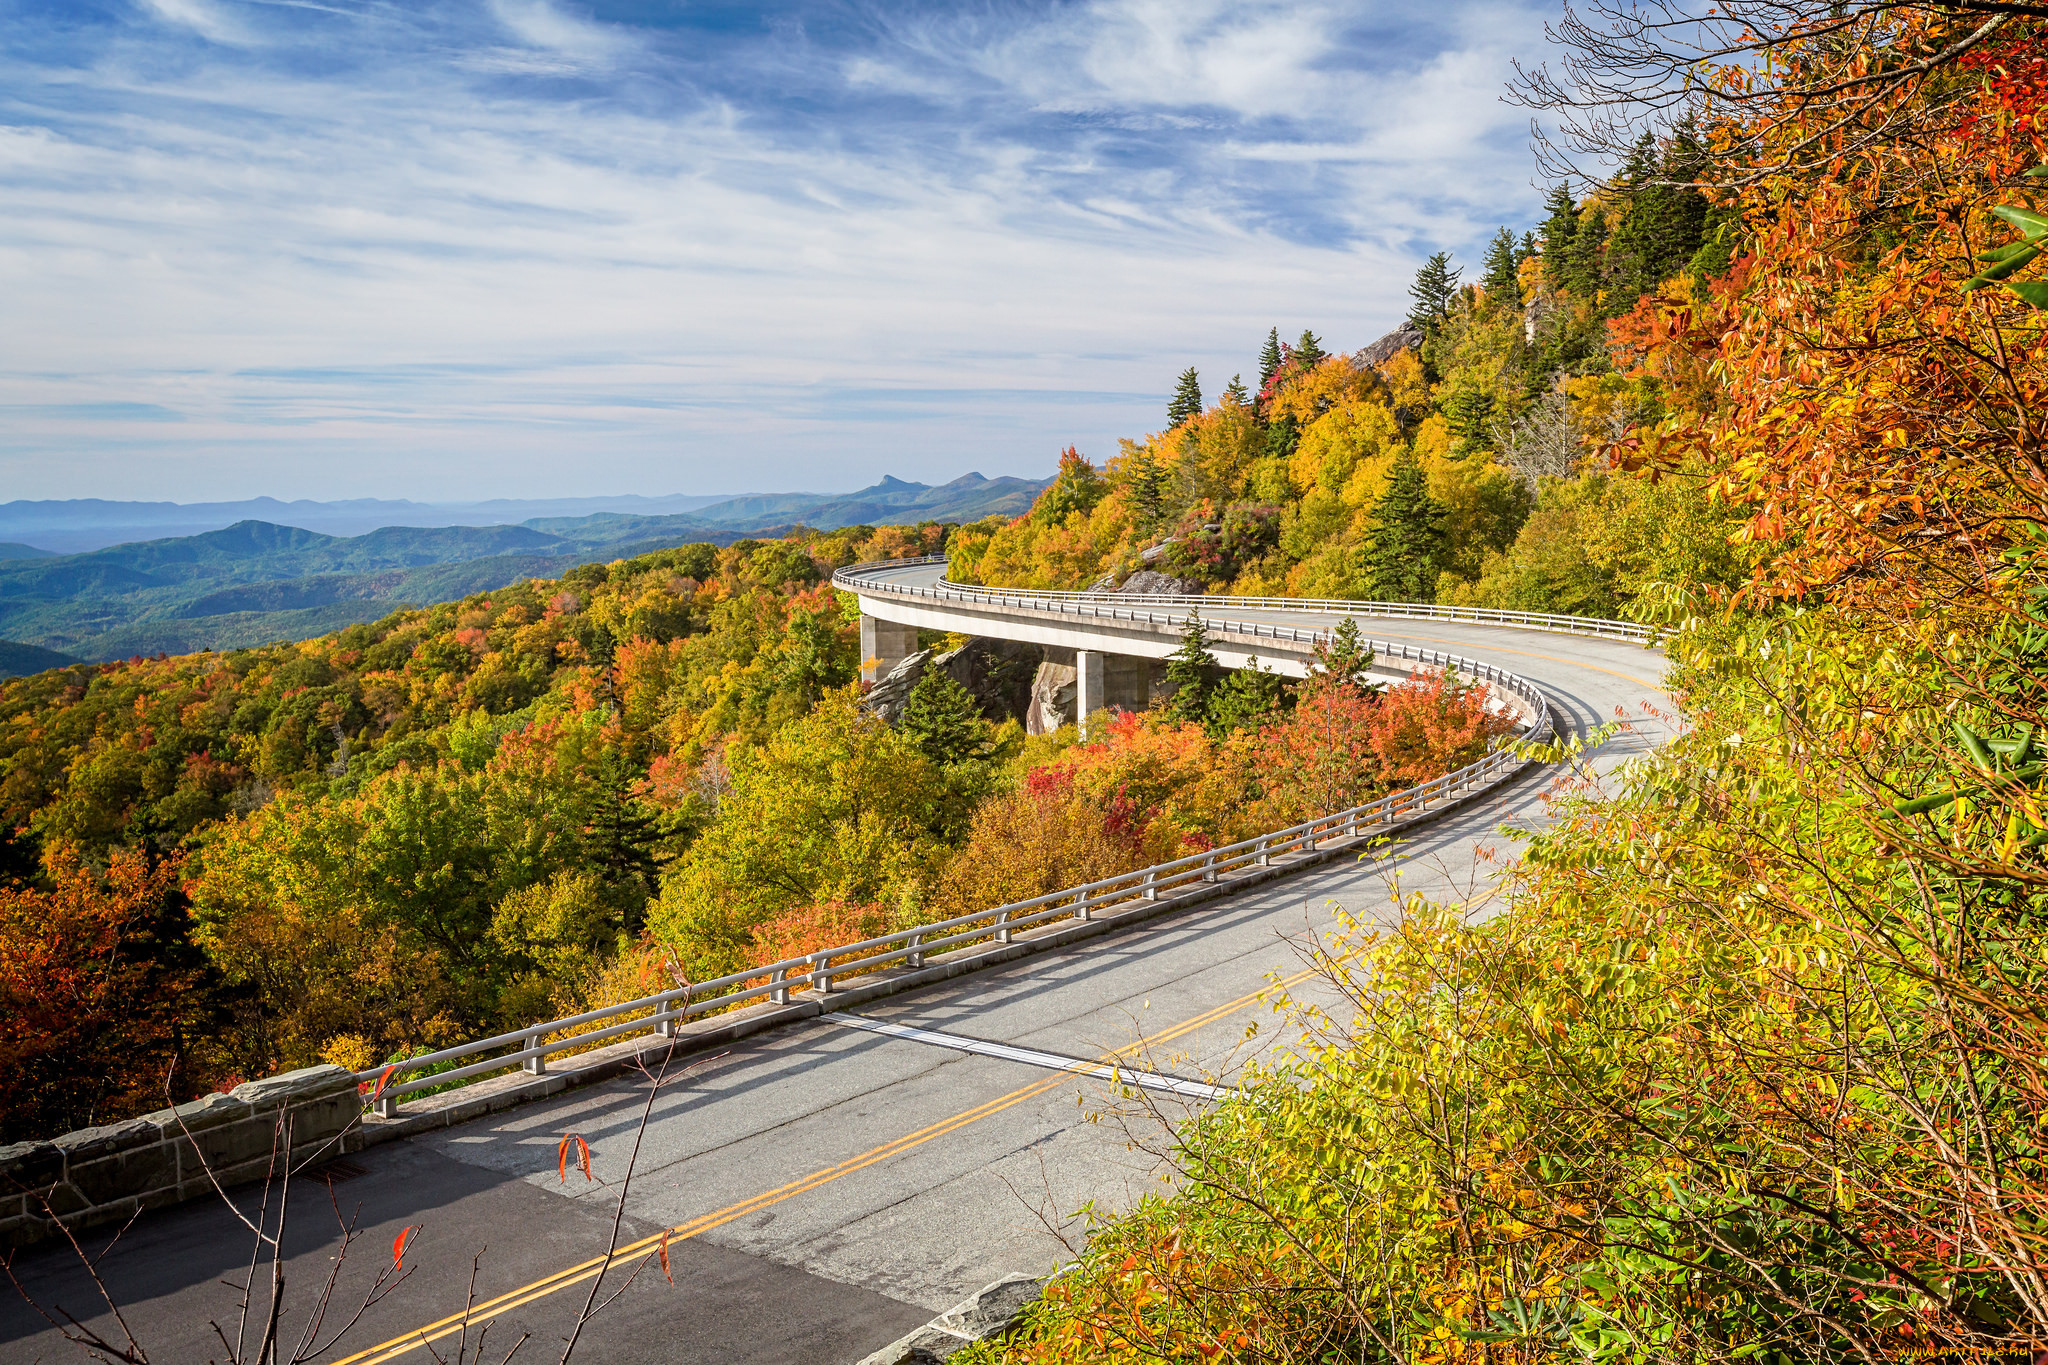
x=859, y=578
x=662, y=1013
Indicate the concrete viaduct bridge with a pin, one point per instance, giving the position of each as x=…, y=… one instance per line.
x=841, y=1162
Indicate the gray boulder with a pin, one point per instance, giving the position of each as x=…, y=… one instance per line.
x=1153, y=581
x=1406, y=337
x=891, y=691
x=1055, y=693
x=996, y=673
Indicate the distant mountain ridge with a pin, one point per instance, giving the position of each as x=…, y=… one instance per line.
x=257, y=581
x=77, y=525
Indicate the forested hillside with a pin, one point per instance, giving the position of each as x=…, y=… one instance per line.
x=1750, y=1066
x=456, y=820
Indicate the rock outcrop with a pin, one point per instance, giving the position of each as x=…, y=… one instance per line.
x=1404, y=338
x=996, y=673
x=1055, y=696
x=1153, y=581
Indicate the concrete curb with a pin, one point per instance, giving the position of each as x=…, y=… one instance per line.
x=989, y=1313
x=604, y=1063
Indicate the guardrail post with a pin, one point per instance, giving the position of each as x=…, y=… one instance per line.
x=1151, y=892
x=1003, y=927
x=916, y=958
x=821, y=974
x=1308, y=840
x=1209, y=868
x=665, y=1026
x=535, y=1065
x=1265, y=858
x=386, y=1106
x=778, y=985
x=1084, y=908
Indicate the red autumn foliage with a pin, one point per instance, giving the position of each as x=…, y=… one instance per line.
x=811, y=927
x=89, y=1001
x=1432, y=724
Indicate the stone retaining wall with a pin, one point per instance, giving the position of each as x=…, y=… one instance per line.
x=104, y=1175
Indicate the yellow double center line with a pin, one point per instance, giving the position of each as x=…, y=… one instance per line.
x=597, y=1265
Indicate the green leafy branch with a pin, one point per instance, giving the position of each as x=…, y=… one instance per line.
x=2002, y=262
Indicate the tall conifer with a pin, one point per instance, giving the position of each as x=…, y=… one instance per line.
x=1187, y=399
x=1269, y=359
x=1434, y=291
x=1308, y=352
x=1404, y=553
x=1498, y=279
x=943, y=720
x=1191, y=672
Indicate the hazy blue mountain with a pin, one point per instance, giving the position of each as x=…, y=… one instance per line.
x=19, y=660
x=256, y=581
x=9, y=550
x=77, y=525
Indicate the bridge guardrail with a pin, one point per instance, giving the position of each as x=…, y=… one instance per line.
x=817, y=971
x=858, y=579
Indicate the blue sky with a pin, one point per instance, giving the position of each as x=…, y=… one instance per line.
x=472, y=248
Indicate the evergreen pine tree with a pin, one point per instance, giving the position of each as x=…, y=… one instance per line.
x=1583, y=265
x=1343, y=660
x=1308, y=352
x=1235, y=393
x=1191, y=672
x=1187, y=399
x=1434, y=291
x=1245, y=700
x=1526, y=250
x=621, y=834
x=1404, y=553
x=1469, y=413
x=1148, y=489
x=1281, y=438
x=1559, y=227
x=943, y=720
x=1498, y=279
x=1664, y=222
x=1269, y=359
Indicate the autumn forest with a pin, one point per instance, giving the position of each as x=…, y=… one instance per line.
x=1750, y=1066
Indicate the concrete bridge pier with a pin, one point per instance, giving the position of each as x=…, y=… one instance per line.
x=883, y=645
x=1115, y=681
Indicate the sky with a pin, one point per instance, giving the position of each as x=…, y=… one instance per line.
x=522, y=248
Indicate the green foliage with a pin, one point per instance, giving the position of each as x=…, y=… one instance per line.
x=2001, y=263
x=1270, y=359
x=1191, y=674
x=1434, y=291
x=1404, y=552
x=836, y=806
x=1246, y=699
x=1343, y=660
x=943, y=720
x=1187, y=398
x=1498, y=273
x=1076, y=489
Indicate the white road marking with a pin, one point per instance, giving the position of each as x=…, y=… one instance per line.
x=1053, y=1061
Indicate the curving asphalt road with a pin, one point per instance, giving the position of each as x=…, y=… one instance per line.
x=840, y=1185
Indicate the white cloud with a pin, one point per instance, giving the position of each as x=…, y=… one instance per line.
x=544, y=25
x=210, y=21
x=411, y=282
